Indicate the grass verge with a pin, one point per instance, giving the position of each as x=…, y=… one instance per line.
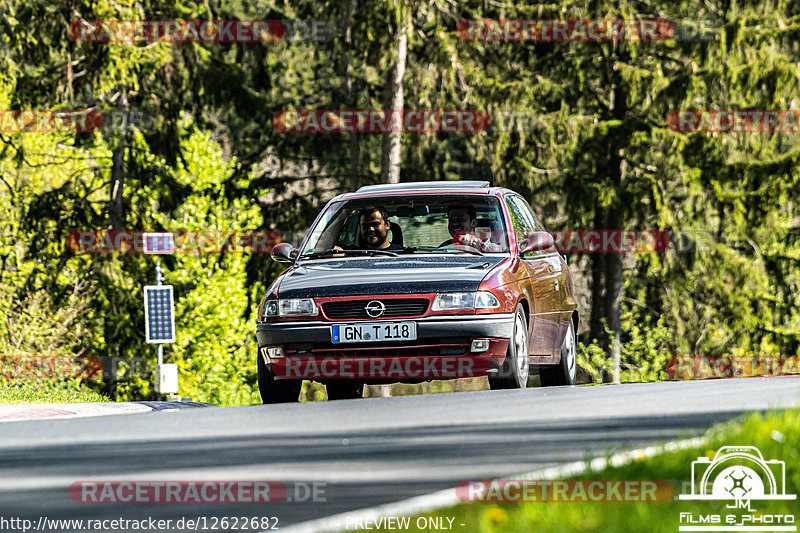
x=47, y=391
x=776, y=434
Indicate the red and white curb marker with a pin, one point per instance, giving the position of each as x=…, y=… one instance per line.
x=18, y=412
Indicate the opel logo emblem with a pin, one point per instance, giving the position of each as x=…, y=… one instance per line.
x=375, y=308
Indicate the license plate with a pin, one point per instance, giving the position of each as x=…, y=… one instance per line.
x=373, y=332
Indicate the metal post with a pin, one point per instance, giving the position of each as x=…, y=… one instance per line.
x=159, y=276
x=159, y=279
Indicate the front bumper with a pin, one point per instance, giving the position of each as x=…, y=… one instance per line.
x=441, y=350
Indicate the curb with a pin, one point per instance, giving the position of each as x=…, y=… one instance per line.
x=27, y=411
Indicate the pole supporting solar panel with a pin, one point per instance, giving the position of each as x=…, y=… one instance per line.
x=159, y=314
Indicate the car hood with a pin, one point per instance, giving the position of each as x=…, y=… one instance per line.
x=391, y=275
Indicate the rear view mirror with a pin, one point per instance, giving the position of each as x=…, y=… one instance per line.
x=536, y=242
x=411, y=211
x=283, y=253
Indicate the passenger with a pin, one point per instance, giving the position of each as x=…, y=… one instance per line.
x=462, y=219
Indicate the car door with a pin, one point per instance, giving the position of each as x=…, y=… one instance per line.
x=565, y=302
x=542, y=279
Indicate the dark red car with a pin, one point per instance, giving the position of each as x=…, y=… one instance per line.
x=418, y=281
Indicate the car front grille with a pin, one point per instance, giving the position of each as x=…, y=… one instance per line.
x=394, y=307
x=426, y=350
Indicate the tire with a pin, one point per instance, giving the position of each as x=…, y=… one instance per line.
x=344, y=390
x=276, y=390
x=564, y=372
x=513, y=374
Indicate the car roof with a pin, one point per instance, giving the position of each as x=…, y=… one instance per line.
x=464, y=184
x=425, y=187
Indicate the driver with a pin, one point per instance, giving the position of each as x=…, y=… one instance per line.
x=375, y=227
x=462, y=219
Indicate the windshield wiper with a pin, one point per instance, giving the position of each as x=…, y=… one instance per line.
x=409, y=249
x=468, y=250
x=440, y=250
x=337, y=251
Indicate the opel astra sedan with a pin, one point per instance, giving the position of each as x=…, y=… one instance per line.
x=418, y=281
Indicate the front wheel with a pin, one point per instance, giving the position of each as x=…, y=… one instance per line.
x=276, y=390
x=513, y=374
x=564, y=372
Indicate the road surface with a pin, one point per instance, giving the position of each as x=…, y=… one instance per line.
x=359, y=453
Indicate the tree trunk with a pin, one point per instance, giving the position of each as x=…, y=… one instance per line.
x=613, y=300
x=390, y=157
x=598, y=261
x=116, y=217
x=616, y=165
x=350, y=98
x=606, y=265
x=116, y=206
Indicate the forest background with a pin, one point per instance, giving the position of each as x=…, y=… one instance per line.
x=579, y=128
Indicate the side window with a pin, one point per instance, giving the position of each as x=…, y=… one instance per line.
x=527, y=208
x=350, y=230
x=522, y=222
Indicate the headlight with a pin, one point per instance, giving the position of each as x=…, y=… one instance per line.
x=450, y=301
x=271, y=309
x=291, y=307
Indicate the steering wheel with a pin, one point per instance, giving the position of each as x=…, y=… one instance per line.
x=454, y=242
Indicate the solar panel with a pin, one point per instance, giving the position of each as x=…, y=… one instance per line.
x=159, y=243
x=159, y=314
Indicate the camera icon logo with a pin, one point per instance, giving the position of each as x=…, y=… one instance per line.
x=738, y=473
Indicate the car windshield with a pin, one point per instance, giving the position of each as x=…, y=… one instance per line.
x=419, y=224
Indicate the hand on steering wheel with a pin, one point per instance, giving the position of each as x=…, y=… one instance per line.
x=462, y=238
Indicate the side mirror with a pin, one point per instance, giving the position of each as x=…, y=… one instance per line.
x=536, y=242
x=283, y=253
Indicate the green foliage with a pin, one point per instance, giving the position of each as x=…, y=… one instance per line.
x=644, y=352
x=92, y=304
x=47, y=391
x=38, y=325
x=594, y=152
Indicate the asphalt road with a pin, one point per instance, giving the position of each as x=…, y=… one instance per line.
x=366, y=452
